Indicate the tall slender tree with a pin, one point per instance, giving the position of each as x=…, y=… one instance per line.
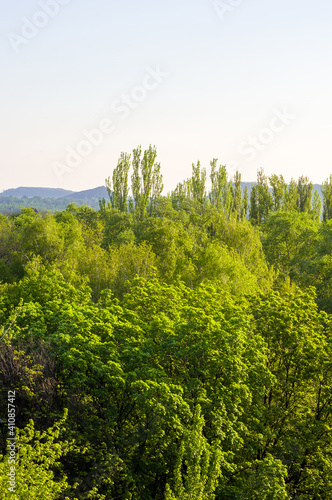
x=198, y=183
x=220, y=195
x=237, y=195
x=291, y=196
x=304, y=188
x=278, y=186
x=147, y=183
x=327, y=199
x=245, y=203
x=119, y=195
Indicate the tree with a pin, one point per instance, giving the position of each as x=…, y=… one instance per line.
x=237, y=196
x=198, y=181
x=253, y=212
x=316, y=207
x=304, y=188
x=245, y=203
x=288, y=239
x=36, y=460
x=291, y=196
x=181, y=194
x=119, y=195
x=264, y=198
x=327, y=199
x=297, y=416
x=278, y=186
x=220, y=195
x=146, y=179
x=201, y=463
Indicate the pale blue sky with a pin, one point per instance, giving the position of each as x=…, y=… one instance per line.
x=230, y=77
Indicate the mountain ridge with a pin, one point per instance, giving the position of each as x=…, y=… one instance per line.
x=54, y=193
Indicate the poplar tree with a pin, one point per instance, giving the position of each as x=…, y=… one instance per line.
x=245, y=203
x=237, y=195
x=327, y=199
x=181, y=192
x=147, y=183
x=316, y=206
x=253, y=211
x=198, y=183
x=304, y=189
x=278, y=187
x=119, y=195
x=291, y=196
x=264, y=198
x=220, y=195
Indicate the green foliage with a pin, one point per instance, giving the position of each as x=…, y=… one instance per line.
x=327, y=199
x=201, y=465
x=289, y=237
x=220, y=188
x=198, y=181
x=304, y=188
x=261, y=199
x=188, y=347
x=119, y=195
x=297, y=415
x=146, y=179
x=37, y=455
x=218, y=264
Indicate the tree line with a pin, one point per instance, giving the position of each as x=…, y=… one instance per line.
x=269, y=194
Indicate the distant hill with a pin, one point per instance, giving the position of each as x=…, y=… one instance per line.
x=31, y=192
x=56, y=193
x=89, y=194
x=48, y=199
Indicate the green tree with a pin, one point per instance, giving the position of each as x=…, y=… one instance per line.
x=245, y=203
x=291, y=196
x=119, y=195
x=237, y=196
x=264, y=198
x=304, y=188
x=297, y=416
x=201, y=463
x=316, y=207
x=253, y=211
x=36, y=462
x=147, y=182
x=327, y=199
x=289, y=239
x=278, y=186
x=198, y=183
x=220, y=195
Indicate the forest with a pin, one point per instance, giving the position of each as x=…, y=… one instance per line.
x=169, y=347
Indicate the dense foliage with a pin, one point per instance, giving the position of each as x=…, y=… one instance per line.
x=170, y=347
x=13, y=204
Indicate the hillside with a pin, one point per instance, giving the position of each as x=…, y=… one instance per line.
x=48, y=199
x=31, y=192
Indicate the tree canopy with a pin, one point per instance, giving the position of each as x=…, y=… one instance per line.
x=169, y=347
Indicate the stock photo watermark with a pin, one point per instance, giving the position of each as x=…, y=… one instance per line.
x=280, y=120
x=224, y=7
x=11, y=442
x=121, y=107
x=48, y=10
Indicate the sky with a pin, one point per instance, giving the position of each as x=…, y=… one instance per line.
x=246, y=81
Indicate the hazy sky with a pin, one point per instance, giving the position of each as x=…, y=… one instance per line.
x=248, y=82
